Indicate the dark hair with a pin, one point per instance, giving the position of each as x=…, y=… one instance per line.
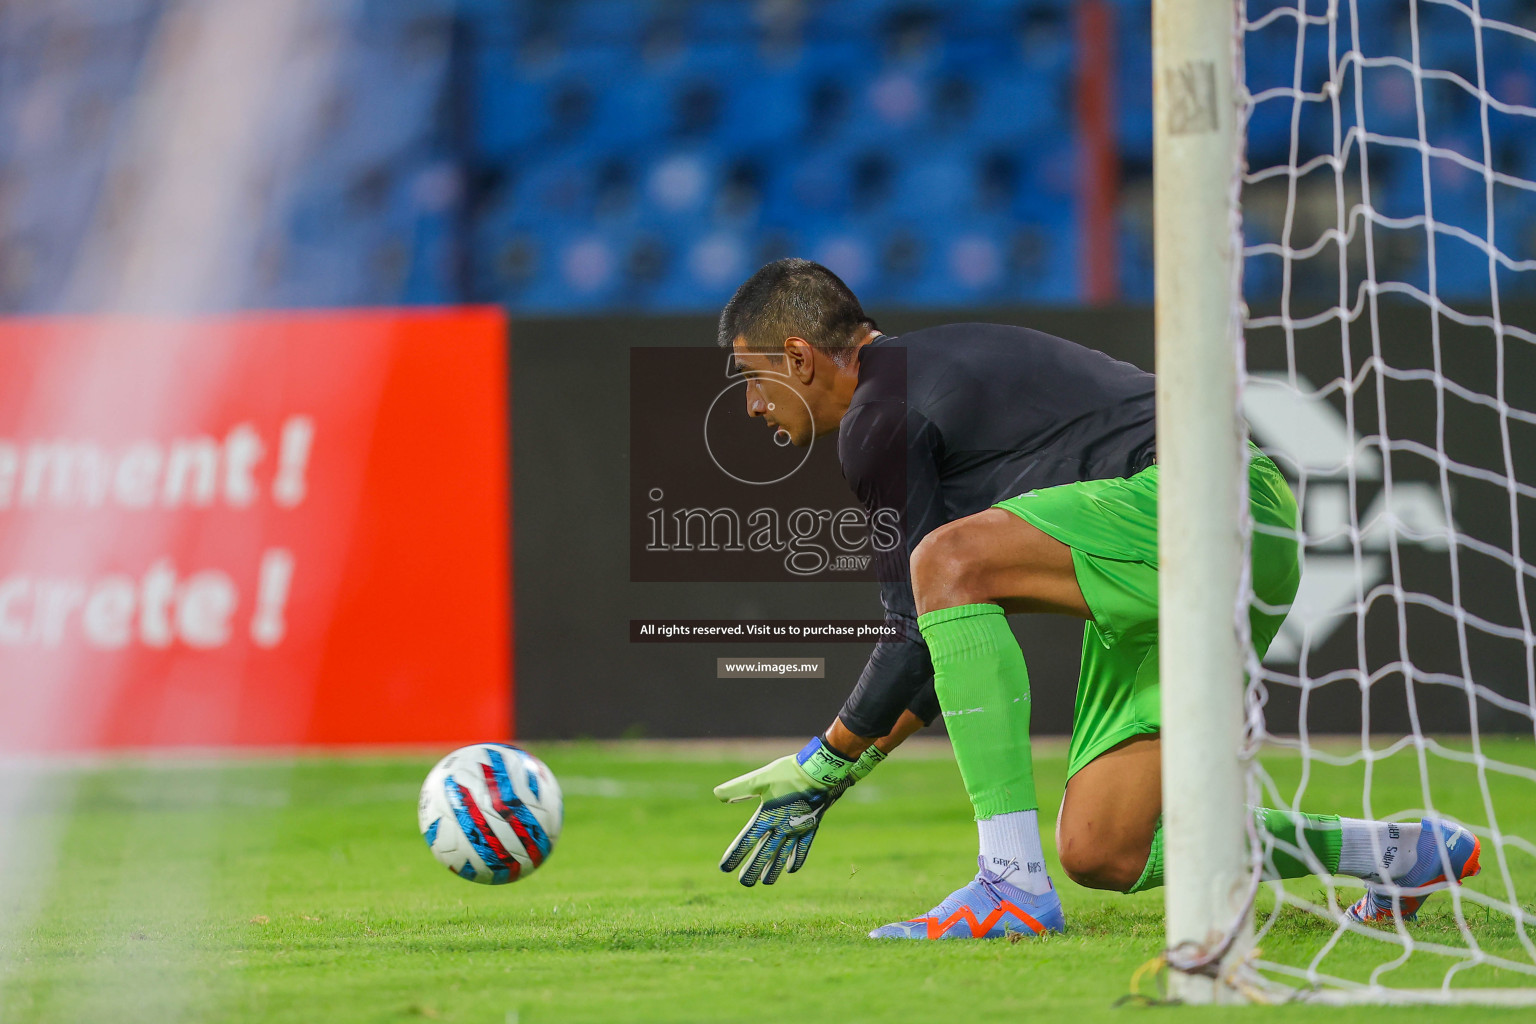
x=794, y=298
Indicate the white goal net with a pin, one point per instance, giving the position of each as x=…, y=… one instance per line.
x=1389, y=275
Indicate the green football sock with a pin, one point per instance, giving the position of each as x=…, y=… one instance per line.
x=983, y=687
x=1319, y=833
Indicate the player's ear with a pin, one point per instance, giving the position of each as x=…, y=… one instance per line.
x=800, y=359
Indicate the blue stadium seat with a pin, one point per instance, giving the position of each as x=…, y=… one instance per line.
x=817, y=184
x=509, y=107
x=1020, y=107
x=766, y=107
x=602, y=24
x=983, y=35
x=853, y=19
x=939, y=184
x=714, y=21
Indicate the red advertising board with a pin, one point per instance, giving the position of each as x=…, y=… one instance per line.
x=268, y=529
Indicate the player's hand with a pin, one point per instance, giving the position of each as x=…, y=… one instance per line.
x=795, y=792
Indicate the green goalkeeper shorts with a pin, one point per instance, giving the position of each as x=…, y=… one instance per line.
x=1111, y=527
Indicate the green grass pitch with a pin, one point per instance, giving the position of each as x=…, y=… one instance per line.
x=299, y=890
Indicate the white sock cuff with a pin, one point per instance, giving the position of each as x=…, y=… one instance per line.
x=1010, y=845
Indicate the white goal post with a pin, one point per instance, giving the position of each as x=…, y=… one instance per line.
x=1200, y=485
x=1401, y=307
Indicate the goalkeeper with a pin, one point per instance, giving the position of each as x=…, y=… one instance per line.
x=1024, y=466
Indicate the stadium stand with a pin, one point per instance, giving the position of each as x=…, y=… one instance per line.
x=589, y=155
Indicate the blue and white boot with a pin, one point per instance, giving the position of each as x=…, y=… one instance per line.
x=1427, y=876
x=990, y=907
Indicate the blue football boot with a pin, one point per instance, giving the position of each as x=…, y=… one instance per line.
x=1427, y=876
x=990, y=907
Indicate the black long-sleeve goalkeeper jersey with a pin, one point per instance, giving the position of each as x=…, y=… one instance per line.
x=947, y=421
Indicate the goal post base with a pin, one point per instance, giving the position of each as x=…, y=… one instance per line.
x=1381, y=996
x=1252, y=982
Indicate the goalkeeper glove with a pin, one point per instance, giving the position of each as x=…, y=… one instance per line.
x=795, y=791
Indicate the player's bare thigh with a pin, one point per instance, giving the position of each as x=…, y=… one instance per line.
x=994, y=556
x=1109, y=815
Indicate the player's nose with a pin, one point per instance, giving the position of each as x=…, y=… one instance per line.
x=757, y=405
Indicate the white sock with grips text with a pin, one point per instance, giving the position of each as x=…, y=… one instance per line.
x=1378, y=850
x=1010, y=846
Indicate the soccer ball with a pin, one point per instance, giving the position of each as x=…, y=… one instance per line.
x=490, y=812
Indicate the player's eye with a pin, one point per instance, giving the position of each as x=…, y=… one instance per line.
x=734, y=369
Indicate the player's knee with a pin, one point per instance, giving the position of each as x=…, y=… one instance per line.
x=1109, y=875
x=1096, y=867
x=944, y=563
x=1084, y=866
